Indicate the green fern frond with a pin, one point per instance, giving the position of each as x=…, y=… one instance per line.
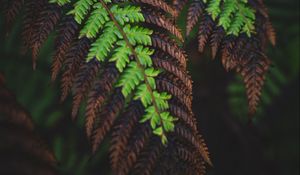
x=118, y=39
x=235, y=16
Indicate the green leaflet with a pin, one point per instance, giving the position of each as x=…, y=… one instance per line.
x=235, y=16
x=60, y=2
x=137, y=76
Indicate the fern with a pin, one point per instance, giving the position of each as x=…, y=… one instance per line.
x=235, y=16
x=237, y=32
x=138, y=74
x=119, y=56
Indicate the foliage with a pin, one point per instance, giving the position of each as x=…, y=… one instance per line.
x=243, y=53
x=88, y=49
x=235, y=16
x=122, y=62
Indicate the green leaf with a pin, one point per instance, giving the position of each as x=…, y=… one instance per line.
x=81, y=9
x=144, y=55
x=96, y=22
x=131, y=77
x=162, y=100
x=121, y=55
x=235, y=16
x=104, y=44
x=138, y=35
x=144, y=95
x=60, y=2
x=158, y=131
x=127, y=14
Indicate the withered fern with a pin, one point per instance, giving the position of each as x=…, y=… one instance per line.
x=21, y=151
x=120, y=58
x=239, y=38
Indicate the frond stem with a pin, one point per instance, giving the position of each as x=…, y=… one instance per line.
x=140, y=66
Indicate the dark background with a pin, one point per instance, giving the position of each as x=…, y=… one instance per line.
x=268, y=146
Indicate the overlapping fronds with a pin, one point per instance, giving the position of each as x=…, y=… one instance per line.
x=118, y=58
x=237, y=36
x=21, y=151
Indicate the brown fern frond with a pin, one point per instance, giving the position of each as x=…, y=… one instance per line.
x=83, y=82
x=148, y=159
x=234, y=50
x=123, y=130
x=74, y=59
x=12, y=9
x=253, y=72
x=169, y=67
x=164, y=84
x=159, y=4
x=189, y=137
x=158, y=19
x=137, y=142
x=167, y=45
x=190, y=158
x=185, y=115
x=67, y=32
x=205, y=30
x=33, y=10
x=98, y=96
x=194, y=12
x=107, y=118
x=270, y=32
x=45, y=24
x=227, y=57
x=216, y=41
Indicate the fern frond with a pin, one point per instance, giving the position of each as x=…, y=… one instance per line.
x=163, y=22
x=32, y=11
x=99, y=95
x=234, y=29
x=45, y=24
x=194, y=12
x=67, y=33
x=123, y=130
x=159, y=4
x=107, y=117
x=168, y=46
x=11, y=11
x=83, y=82
x=216, y=41
x=205, y=30
x=253, y=74
x=120, y=57
x=234, y=16
x=74, y=59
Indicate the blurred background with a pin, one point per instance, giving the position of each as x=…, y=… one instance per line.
x=269, y=146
